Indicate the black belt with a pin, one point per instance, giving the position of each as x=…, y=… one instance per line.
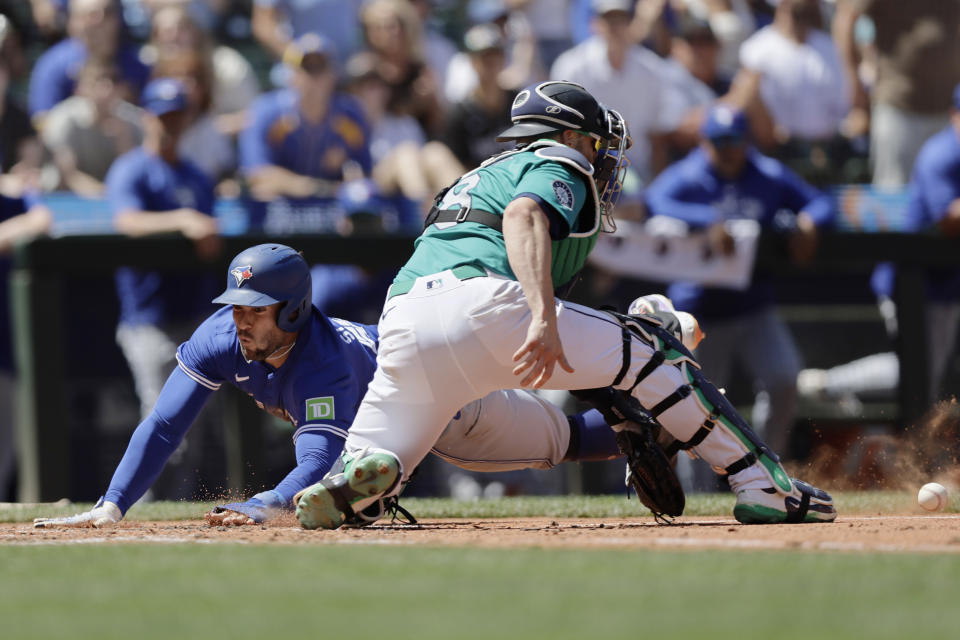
x=491, y=220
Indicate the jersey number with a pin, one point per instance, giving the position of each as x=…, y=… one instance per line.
x=458, y=197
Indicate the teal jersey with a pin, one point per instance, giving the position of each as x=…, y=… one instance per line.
x=553, y=175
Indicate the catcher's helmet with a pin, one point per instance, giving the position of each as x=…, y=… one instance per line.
x=555, y=106
x=267, y=274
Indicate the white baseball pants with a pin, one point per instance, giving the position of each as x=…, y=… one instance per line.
x=448, y=342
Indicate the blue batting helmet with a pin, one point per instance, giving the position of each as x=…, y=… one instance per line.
x=267, y=274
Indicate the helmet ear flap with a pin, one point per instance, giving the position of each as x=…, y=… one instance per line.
x=294, y=315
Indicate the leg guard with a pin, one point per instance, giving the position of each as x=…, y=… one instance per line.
x=723, y=438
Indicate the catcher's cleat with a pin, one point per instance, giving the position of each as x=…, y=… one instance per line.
x=331, y=502
x=768, y=506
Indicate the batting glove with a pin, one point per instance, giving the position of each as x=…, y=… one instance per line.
x=258, y=509
x=104, y=514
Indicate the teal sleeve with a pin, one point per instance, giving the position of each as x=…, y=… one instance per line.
x=558, y=186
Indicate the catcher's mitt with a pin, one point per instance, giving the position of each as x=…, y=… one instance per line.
x=642, y=440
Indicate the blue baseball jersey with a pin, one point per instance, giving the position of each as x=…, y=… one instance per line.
x=278, y=135
x=934, y=184
x=55, y=73
x=141, y=181
x=693, y=192
x=318, y=389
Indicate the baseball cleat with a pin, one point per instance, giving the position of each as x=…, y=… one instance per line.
x=330, y=502
x=768, y=506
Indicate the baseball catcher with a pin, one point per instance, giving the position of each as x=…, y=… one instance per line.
x=475, y=310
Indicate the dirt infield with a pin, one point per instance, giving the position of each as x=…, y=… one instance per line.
x=912, y=533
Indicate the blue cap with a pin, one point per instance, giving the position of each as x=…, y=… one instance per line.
x=164, y=95
x=724, y=121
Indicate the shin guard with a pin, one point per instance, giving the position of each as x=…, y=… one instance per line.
x=692, y=409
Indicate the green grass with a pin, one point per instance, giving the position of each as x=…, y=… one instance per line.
x=235, y=591
x=720, y=504
x=226, y=590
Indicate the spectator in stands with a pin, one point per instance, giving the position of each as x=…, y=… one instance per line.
x=550, y=22
x=17, y=138
x=918, y=64
x=18, y=220
x=304, y=141
x=153, y=189
x=614, y=69
x=234, y=83
x=208, y=15
x=438, y=50
x=523, y=63
x=50, y=17
x=309, y=142
x=797, y=74
x=277, y=23
x=694, y=80
x=391, y=29
x=95, y=32
x=794, y=87
x=697, y=48
x=731, y=22
x=87, y=132
x=727, y=180
x=209, y=148
x=473, y=123
x=405, y=163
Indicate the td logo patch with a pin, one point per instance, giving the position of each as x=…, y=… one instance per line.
x=320, y=408
x=564, y=194
x=242, y=274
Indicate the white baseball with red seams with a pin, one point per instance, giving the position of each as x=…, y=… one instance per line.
x=932, y=496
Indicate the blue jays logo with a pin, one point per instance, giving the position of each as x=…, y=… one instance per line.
x=242, y=274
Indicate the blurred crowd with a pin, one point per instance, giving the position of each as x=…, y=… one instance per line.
x=294, y=98
x=161, y=106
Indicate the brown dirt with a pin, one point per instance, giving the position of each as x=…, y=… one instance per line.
x=935, y=533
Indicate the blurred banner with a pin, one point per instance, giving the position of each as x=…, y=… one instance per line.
x=664, y=250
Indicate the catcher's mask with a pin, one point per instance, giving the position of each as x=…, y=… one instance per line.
x=267, y=274
x=553, y=106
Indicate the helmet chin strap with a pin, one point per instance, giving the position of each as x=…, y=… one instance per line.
x=278, y=353
x=281, y=351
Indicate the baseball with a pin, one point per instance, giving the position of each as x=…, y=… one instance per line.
x=932, y=496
